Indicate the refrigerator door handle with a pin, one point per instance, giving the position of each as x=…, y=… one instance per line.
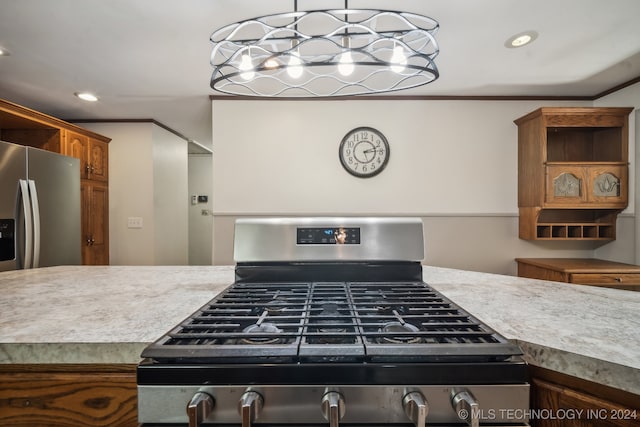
x=26, y=209
x=36, y=223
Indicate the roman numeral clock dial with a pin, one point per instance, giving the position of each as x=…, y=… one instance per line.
x=364, y=152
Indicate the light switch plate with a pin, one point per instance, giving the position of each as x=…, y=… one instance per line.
x=134, y=222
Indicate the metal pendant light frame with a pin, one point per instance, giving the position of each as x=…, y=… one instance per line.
x=317, y=39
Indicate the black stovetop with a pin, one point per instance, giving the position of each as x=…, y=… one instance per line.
x=279, y=323
x=334, y=321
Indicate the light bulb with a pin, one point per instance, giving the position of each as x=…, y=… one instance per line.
x=247, y=67
x=294, y=68
x=398, y=60
x=345, y=64
x=270, y=63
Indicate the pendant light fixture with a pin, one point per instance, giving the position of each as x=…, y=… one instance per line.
x=324, y=53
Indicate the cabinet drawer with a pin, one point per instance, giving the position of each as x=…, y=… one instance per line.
x=606, y=278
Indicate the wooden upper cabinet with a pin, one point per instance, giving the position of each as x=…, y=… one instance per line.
x=573, y=166
x=76, y=145
x=93, y=155
x=98, y=160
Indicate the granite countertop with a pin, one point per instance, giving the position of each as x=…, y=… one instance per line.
x=108, y=314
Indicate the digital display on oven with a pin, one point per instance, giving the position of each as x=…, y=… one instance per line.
x=328, y=236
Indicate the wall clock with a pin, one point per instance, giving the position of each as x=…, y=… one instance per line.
x=364, y=152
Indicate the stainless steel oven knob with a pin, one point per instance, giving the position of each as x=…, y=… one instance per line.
x=466, y=406
x=333, y=407
x=199, y=408
x=249, y=407
x=416, y=407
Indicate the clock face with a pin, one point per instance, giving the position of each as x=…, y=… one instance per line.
x=364, y=152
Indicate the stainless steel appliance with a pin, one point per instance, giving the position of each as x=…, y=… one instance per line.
x=39, y=208
x=329, y=322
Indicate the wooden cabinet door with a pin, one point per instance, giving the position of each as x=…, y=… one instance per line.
x=608, y=185
x=565, y=185
x=95, y=224
x=98, y=160
x=599, y=185
x=77, y=145
x=100, y=225
x=586, y=409
x=93, y=155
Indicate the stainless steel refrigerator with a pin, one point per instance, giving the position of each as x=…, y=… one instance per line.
x=39, y=208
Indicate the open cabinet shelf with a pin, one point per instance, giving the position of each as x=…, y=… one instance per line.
x=575, y=231
x=568, y=224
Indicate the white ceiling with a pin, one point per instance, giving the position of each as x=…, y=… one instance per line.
x=149, y=59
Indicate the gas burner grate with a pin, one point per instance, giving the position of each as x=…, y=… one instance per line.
x=331, y=321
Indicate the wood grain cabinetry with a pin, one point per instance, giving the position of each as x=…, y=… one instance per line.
x=559, y=400
x=93, y=155
x=23, y=126
x=573, y=167
x=68, y=395
x=582, y=271
x=95, y=223
x=94, y=171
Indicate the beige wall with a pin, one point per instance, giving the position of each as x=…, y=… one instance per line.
x=170, y=198
x=147, y=179
x=629, y=97
x=447, y=157
x=200, y=226
x=454, y=163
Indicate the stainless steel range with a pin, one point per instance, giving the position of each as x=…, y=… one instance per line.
x=329, y=322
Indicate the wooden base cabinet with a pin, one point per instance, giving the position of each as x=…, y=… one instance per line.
x=559, y=400
x=582, y=271
x=68, y=395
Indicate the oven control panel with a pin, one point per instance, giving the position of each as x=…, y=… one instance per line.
x=328, y=239
x=328, y=236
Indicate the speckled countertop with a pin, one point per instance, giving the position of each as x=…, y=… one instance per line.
x=109, y=314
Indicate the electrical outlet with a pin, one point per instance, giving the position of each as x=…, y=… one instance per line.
x=134, y=222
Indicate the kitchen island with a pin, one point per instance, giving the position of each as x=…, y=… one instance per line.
x=96, y=321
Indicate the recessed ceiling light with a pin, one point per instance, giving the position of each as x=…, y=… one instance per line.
x=86, y=96
x=4, y=52
x=521, y=39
